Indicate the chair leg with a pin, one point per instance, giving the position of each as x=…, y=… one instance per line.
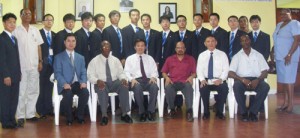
x=90, y=108
x=161, y=107
x=56, y=110
x=113, y=105
x=131, y=96
x=196, y=105
x=231, y=104
x=266, y=108
x=202, y=106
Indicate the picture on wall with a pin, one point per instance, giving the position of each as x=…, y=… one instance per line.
x=82, y=6
x=205, y=7
x=37, y=8
x=168, y=9
x=126, y=5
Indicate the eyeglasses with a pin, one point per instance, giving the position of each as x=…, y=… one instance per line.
x=26, y=14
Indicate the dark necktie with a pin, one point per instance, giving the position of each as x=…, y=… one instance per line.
x=136, y=29
x=108, y=72
x=211, y=67
x=230, y=45
x=142, y=69
x=147, y=39
x=120, y=38
x=49, y=40
x=255, y=36
x=197, y=33
x=13, y=39
x=212, y=31
x=164, y=38
x=181, y=36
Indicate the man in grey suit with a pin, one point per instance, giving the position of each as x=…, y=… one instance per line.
x=106, y=72
x=70, y=73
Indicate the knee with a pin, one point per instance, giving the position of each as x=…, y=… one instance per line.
x=265, y=86
x=154, y=87
x=137, y=87
x=237, y=85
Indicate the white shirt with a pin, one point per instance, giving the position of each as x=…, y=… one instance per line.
x=68, y=31
x=199, y=30
x=257, y=31
x=28, y=43
x=8, y=33
x=97, y=69
x=248, y=66
x=233, y=32
x=167, y=33
x=132, y=67
x=182, y=31
x=215, y=28
x=134, y=27
x=46, y=32
x=220, y=65
x=86, y=31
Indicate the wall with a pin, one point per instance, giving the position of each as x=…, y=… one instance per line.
x=60, y=7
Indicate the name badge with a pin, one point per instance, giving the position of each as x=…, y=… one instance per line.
x=50, y=52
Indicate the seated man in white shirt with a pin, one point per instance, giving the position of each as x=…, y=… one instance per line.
x=141, y=71
x=212, y=71
x=106, y=72
x=248, y=68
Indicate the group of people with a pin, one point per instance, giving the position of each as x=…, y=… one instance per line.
x=132, y=58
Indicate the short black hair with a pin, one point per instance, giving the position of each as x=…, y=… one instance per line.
x=139, y=40
x=210, y=35
x=69, y=16
x=104, y=43
x=44, y=17
x=179, y=16
x=255, y=17
x=232, y=16
x=98, y=16
x=133, y=10
x=69, y=35
x=215, y=14
x=198, y=14
x=114, y=12
x=7, y=16
x=146, y=14
x=164, y=17
x=241, y=17
x=86, y=15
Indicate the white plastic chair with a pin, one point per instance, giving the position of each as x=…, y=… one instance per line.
x=162, y=100
x=57, y=99
x=234, y=106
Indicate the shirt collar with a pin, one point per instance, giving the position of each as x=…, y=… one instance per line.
x=115, y=27
x=147, y=30
x=199, y=29
x=215, y=28
x=257, y=31
x=182, y=31
x=68, y=31
x=9, y=34
x=133, y=26
x=69, y=52
x=167, y=32
x=99, y=30
x=234, y=31
x=86, y=31
x=46, y=31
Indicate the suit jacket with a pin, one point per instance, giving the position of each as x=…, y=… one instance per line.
x=58, y=42
x=166, y=50
x=198, y=42
x=83, y=45
x=64, y=71
x=236, y=46
x=9, y=59
x=222, y=39
x=153, y=44
x=95, y=42
x=128, y=40
x=110, y=34
x=187, y=40
x=262, y=43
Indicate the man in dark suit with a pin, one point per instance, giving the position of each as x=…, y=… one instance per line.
x=129, y=31
x=96, y=35
x=71, y=76
x=166, y=40
x=114, y=36
x=234, y=36
x=82, y=37
x=58, y=43
x=150, y=36
x=260, y=40
x=183, y=34
x=198, y=36
x=44, y=103
x=10, y=72
x=219, y=33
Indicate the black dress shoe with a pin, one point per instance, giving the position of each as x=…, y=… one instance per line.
x=220, y=116
x=151, y=116
x=104, y=121
x=205, y=116
x=253, y=117
x=143, y=117
x=245, y=117
x=32, y=119
x=81, y=121
x=126, y=118
x=20, y=122
x=69, y=123
x=189, y=117
x=171, y=114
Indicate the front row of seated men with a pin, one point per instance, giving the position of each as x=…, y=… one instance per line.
x=248, y=68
